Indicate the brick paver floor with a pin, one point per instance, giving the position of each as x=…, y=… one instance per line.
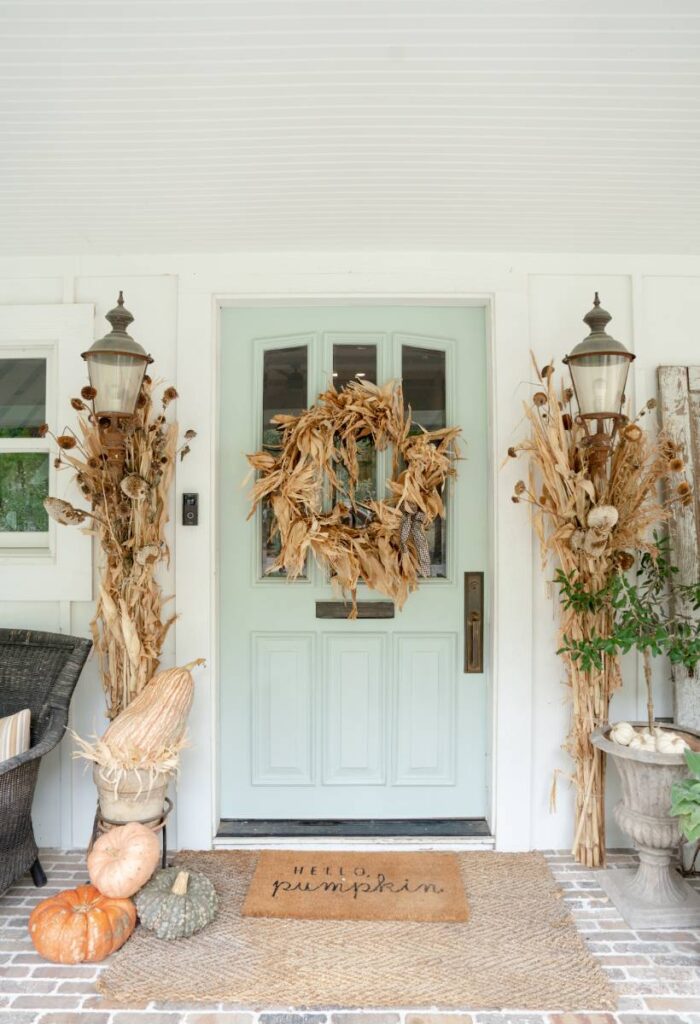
x=657, y=974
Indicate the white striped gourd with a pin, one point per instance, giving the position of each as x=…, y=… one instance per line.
x=156, y=719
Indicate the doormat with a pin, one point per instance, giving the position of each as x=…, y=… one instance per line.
x=518, y=950
x=357, y=887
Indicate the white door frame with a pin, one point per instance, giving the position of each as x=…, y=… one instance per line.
x=510, y=640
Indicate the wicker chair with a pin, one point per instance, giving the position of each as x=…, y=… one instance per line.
x=38, y=671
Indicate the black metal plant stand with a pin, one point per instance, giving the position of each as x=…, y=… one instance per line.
x=102, y=825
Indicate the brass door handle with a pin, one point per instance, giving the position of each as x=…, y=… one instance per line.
x=474, y=645
x=474, y=622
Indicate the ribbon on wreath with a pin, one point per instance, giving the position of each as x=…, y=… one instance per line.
x=412, y=528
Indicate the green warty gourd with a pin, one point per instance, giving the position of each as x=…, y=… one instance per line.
x=176, y=903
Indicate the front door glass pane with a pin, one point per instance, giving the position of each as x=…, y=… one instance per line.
x=424, y=389
x=357, y=362
x=22, y=397
x=285, y=390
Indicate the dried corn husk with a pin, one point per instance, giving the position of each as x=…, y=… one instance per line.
x=129, y=512
x=588, y=526
x=298, y=481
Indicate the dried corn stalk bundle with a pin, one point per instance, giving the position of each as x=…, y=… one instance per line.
x=128, y=514
x=311, y=485
x=591, y=527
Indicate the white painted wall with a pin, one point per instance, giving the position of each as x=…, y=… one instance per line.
x=537, y=302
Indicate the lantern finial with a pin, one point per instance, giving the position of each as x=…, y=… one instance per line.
x=597, y=320
x=120, y=318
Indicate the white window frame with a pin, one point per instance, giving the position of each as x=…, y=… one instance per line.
x=37, y=543
x=56, y=566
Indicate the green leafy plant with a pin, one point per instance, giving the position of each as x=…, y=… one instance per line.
x=651, y=613
x=685, y=799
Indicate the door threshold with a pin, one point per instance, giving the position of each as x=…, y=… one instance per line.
x=443, y=833
x=395, y=844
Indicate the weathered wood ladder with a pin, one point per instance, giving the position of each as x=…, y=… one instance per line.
x=679, y=392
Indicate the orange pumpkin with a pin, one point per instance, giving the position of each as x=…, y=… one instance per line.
x=80, y=925
x=123, y=859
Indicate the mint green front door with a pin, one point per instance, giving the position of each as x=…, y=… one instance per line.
x=350, y=719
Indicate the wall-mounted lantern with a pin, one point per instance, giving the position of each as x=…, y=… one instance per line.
x=116, y=367
x=599, y=366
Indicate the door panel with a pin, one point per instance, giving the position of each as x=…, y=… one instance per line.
x=353, y=684
x=282, y=709
x=425, y=710
x=333, y=718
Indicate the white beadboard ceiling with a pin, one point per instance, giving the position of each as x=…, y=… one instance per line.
x=223, y=125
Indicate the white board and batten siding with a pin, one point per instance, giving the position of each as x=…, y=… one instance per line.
x=535, y=302
x=679, y=393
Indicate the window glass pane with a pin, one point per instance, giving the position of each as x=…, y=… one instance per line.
x=354, y=362
x=423, y=373
x=22, y=397
x=358, y=362
x=24, y=483
x=424, y=389
x=285, y=390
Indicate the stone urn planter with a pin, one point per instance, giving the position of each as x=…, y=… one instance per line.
x=137, y=797
x=654, y=895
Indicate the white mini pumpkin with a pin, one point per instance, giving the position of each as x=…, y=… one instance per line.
x=622, y=733
x=123, y=859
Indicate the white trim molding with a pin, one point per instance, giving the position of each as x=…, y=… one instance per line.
x=60, y=570
x=200, y=299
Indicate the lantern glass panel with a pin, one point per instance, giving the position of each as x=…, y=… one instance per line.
x=599, y=381
x=117, y=380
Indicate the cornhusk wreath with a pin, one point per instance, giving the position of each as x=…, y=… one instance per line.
x=593, y=526
x=128, y=514
x=318, y=459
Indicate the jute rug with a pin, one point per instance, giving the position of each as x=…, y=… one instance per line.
x=357, y=886
x=519, y=950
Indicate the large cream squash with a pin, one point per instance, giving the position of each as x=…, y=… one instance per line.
x=123, y=859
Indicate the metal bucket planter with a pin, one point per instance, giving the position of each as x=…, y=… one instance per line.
x=135, y=799
x=653, y=895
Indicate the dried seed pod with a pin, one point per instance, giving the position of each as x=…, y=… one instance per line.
x=603, y=518
x=78, y=404
x=577, y=539
x=63, y=512
x=135, y=487
x=683, y=487
x=539, y=398
x=169, y=395
x=566, y=421
x=676, y=464
x=632, y=433
x=519, y=487
x=625, y=560
x=594, y=542
x=147, y=554
x=547, y=371
x=88, y=393
x=66, y=441
x=512, y=453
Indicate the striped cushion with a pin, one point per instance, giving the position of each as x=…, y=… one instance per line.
x=14, y=734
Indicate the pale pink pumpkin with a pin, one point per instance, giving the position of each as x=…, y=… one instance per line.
x=123, y=859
